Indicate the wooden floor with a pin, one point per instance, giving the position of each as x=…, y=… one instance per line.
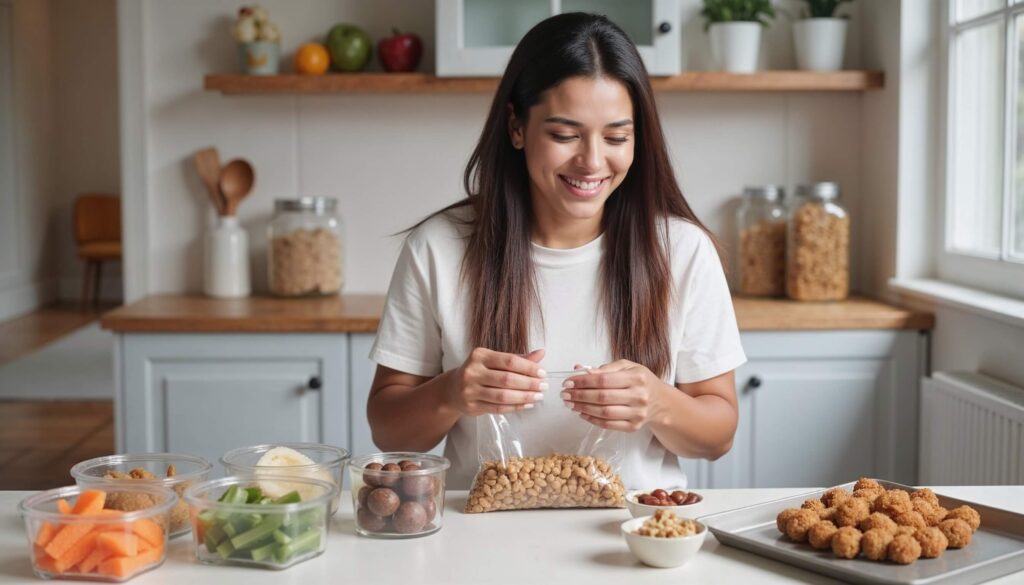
x=41, y=440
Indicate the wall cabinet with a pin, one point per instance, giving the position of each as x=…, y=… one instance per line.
x=816, y=407
x=476, y=37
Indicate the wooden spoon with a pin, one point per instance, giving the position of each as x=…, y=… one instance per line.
x=236, y=180
x=208, y=164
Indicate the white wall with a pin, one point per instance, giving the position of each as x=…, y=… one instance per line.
x=86, y=135
x=902, y=175
x=27, y=274
x=391, y=159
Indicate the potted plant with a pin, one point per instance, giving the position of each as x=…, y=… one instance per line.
x=735, y=29
x=259, y=40
x=819, y=36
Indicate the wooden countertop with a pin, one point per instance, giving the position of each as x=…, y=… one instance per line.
x=361, y=313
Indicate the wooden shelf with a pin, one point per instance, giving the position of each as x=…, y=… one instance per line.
x=427, y=83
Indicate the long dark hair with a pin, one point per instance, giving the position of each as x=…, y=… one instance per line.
x=635, y=273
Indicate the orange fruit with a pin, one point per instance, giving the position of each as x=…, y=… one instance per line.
x=312, y=59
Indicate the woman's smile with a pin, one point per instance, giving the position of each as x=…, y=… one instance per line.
x=584, y=188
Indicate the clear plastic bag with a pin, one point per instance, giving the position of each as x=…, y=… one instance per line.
x=527, y=459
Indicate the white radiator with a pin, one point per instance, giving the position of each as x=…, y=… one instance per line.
x=972, y=431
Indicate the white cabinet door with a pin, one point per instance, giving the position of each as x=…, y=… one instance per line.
x=476, y=37
x=819, y=408
x=208, y=393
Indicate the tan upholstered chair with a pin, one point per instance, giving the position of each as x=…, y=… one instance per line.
x=98, y=235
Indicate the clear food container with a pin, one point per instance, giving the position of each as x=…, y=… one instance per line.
x=761, y=227
x=818, y=246
x=172, y=470
x=235, y=523
x=398, y=495
x=72, y=536
x=304, y=253
x=312, y=460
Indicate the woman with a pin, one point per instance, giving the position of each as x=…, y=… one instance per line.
x=574, y=246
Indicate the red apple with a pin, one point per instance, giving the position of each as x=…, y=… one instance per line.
x=400, y=52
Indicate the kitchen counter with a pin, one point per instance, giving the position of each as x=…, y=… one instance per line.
x=540, y=546
x=361, y=313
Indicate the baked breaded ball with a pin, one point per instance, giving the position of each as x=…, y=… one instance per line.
x=868, y=495
x=957, y=532
x=923, y=507
x=893, y=503
x=820, y=535
x=783, y=518
x=925, y=494
x=875, y=543
x=828, y=514
x=852, y=512
x=880, y=521
x=904, y=549
x=813, y=504
x=937, y=516
x=967, y=514
x=866, y=483
x=911, y=518
x=846, y=542
x=908, y=530
x=933, y=542
x=800, y=523
x=834, y=497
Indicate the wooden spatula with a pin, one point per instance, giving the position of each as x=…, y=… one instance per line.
x=208, y=164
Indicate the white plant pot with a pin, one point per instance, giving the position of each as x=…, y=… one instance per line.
x=819, y=43
x=735, y=46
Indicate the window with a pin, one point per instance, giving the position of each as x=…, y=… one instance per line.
x=983, y=229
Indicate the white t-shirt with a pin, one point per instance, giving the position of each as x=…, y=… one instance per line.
x=424, y=331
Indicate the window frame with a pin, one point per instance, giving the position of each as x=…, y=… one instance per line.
x=1002, y=273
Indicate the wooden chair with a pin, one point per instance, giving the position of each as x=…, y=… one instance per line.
x=98, y=235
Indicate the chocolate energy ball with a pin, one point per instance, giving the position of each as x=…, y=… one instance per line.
x=410, y=518
x=383, y=501
x=370, y=477
x=875, y=544
x=364, y=492
x=418, y=486
x=369, y=521
x=430, y=507
x=390, y=475
x=933, y=542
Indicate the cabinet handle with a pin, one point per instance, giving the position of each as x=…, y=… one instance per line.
x=314, y=383
x=665, y=28
x=754, y=382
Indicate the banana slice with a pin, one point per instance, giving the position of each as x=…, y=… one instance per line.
x=284, y=458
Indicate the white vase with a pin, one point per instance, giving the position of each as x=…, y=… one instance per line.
x=819, y=43
x=735, y=46
x=226, y=260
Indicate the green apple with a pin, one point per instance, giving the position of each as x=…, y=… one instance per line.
x=349, y=46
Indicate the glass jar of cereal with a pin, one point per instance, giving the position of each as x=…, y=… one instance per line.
x=761, y=225
x=304, y=253
x=818, y=245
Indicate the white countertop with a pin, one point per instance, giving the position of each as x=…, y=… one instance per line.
x=537, y=546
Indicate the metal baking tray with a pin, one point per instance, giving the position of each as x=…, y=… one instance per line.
x=996, y=549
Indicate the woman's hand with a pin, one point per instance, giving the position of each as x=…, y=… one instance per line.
x=493, y=382
x=620, y=396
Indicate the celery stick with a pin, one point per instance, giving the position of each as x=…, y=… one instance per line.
x=305, y=542
x=264, y=552
x=251, y=536
x=253, y=495
x=225, y=549
x=291, y=497
x=281, y=537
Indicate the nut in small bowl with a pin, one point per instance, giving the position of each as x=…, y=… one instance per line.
x=641, y=502
x=677, y=540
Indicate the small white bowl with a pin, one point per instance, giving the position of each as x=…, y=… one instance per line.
x=662, y=552
x=636, y=509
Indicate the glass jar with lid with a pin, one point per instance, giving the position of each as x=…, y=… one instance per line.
x=818, y=245
x=761, y=226
x=304, y=252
